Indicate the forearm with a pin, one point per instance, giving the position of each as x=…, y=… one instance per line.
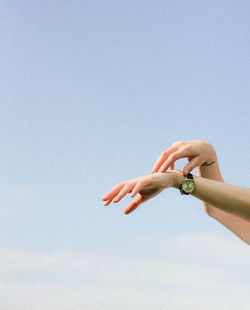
x=227, y=197
x=210, y=170
x=238, y=225
x=231, y=203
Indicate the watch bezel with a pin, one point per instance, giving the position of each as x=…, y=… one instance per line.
x=188, y=180
x=189, y=177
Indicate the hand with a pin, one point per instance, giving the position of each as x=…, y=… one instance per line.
x=147, y=186
x=198, y=152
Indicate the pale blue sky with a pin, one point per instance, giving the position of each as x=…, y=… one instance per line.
x=91, y=93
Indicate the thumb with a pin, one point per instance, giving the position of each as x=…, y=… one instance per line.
x=191, y=165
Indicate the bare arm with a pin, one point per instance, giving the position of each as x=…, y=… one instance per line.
x=238, y=225
x=227, y=197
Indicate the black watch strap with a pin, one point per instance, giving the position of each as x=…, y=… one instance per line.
x=189, y=176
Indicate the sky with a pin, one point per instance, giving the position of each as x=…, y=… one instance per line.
x=91, y=92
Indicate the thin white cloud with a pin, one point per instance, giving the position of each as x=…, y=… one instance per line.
x=187, y=272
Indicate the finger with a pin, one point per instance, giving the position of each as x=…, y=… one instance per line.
x=172, y=166
x=133, y=205
x=195, y=162
x=113, y=192
x=126, y=189
x=161, y=159
x=107, y=202
x=171, y=159
x=139, y=185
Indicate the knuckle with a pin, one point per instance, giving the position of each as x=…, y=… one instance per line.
x=175, y=143
x=185, y=150
x=140, y=183
x=164, y=153
x=185, y=147
x=173, y=156
x=127, y=186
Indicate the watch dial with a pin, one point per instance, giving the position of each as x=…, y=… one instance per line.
x=188, y=186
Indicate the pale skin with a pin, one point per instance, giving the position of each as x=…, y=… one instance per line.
x=227, y=203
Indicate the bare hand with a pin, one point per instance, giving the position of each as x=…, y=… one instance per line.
x=198, y=152
x=147, y=187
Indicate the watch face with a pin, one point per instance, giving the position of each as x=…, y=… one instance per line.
x=188, y=186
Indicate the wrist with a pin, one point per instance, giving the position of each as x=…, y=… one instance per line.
x=178, y=178
x=211, y=153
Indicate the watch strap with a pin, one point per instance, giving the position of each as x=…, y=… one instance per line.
x=189, y=176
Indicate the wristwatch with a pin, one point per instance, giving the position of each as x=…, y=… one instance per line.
x=187, y=186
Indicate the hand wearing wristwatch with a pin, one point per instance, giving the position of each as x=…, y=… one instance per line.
x=187, y=186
